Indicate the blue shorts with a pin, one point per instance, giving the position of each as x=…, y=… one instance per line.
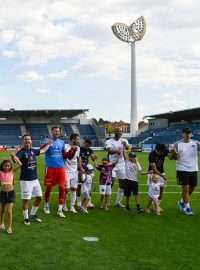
x=86, y=195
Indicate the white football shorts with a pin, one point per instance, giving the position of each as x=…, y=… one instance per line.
x=30, y=189
x=72, y=180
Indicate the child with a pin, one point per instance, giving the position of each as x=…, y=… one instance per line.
x=153, y=194
x=86, y=186
x=105, y=180
x=132, y=167
x=7, y=194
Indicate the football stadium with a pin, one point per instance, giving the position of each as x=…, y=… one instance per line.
x=99, y=135
x=100, y=239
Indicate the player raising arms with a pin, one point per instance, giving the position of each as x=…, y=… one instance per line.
x=105, y=180
x=71, y=167
x=114, y=145
x=55, y=171
x=29, y=183
x=7, y=194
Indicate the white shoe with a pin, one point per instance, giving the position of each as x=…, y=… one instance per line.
x=26, y=221
x=60, y=214
x=65, y=209
x=119, y=205
x=90, y=205
x=85, y=211
x=46, y=210
x=101, y=206
x=147, y=210
x=73, y=210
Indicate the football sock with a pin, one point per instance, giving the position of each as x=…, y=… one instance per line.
x=46, y=205
x=25, y=214
x=66, y=193
x=72, y=198
x=120, y=194
x=61, y=194
x=60, y=207
x=34, y=210
x=78, y=200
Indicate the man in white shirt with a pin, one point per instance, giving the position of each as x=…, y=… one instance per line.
x=185, y=153
x=112, y=146
x=71, y=168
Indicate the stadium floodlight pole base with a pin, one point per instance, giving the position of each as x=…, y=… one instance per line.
x=134, y=113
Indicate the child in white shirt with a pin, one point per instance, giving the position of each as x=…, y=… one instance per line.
x=153, y=194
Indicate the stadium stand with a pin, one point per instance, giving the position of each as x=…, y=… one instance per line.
x=166, y=136
x=15, y=123
x=10, y=134
x=172, y=132
x=144, y=136
x=87, y=132
x=37, y=131
x=68, y=130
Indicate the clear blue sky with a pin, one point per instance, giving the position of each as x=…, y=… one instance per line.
x=63, y=54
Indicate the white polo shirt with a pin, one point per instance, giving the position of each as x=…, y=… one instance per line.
x=187, y=155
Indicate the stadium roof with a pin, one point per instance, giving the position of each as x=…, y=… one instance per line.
x=174, y=116
x=41, y=113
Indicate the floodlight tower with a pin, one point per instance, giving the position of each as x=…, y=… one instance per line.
x=131, y=34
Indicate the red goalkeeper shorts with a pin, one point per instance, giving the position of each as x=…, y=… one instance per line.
x=55, y=176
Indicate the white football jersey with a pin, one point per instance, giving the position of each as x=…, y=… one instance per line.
x=116, y=146
x=71, y=165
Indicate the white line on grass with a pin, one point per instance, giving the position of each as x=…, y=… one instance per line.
x=139, y=184
x=142, y=192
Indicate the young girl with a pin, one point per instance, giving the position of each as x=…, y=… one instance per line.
x=7, y=193
x=153, y=194
x=86, y=186
x=106, y=180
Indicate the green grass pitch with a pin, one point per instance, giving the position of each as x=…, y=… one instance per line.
x=127, y=240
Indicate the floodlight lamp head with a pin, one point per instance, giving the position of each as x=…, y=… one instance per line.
x=132, y=33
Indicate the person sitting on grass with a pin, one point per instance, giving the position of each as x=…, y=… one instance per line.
x=7, y=194
x=106, y=180
x=153, y=194
x=86, y=187
x=132, y=167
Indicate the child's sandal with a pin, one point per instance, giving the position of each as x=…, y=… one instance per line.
x=2, y=226
x=9, y=231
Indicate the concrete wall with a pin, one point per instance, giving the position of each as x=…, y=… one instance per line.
x=158, y=123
